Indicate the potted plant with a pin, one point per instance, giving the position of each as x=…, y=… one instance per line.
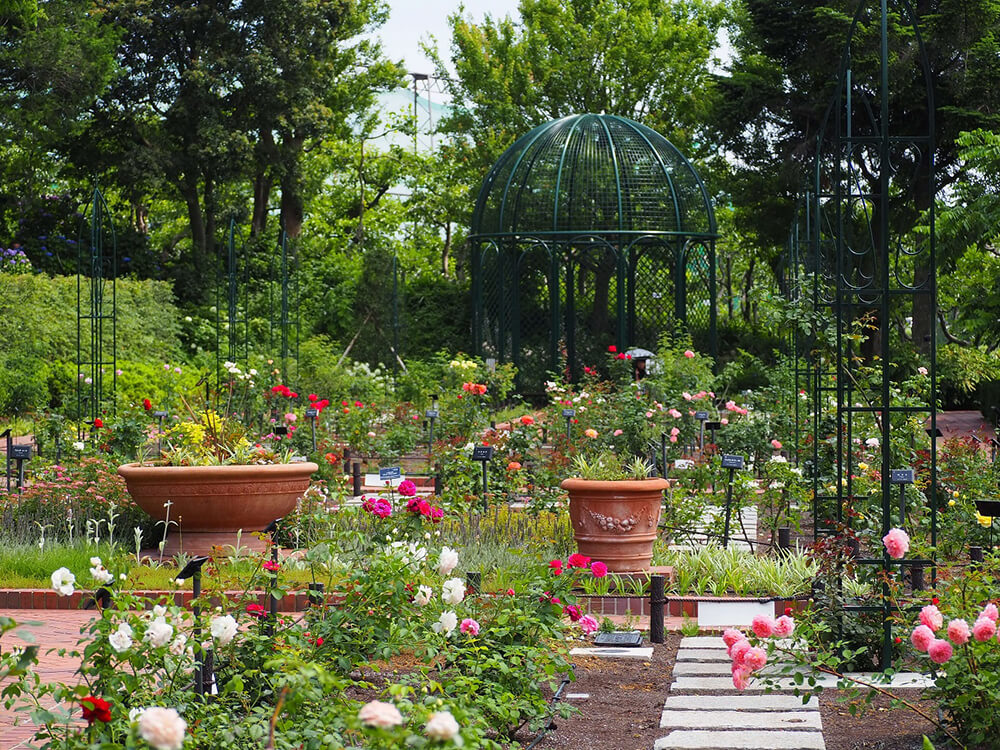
x=615, y=510
x=216, y=486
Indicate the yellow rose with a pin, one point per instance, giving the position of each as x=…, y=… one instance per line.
x=985, y=521
x=863, y=466
x=951, y=502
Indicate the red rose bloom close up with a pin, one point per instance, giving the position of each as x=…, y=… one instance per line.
x=95, y=709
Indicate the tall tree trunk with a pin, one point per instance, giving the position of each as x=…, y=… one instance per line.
x=747, y=286
x=262, y=184
x=292, y=208
x=446, y=249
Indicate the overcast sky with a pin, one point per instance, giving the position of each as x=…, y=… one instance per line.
x=411, y=21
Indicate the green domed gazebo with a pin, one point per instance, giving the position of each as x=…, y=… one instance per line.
x=590, y=230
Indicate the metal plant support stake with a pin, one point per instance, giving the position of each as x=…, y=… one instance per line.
x=875, y=160
x=96, y=312
x=233, y=325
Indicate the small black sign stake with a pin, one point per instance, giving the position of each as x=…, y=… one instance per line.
x=902, y=477
x=733, y=463
x=432, y=414
x=483, y=453
x=388, y=473
x=312, y=414
x=20, y=454
x=159, y=430
x=568, y=414
x=702, y=417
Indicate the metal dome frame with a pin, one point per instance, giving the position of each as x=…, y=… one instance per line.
x=590, y=198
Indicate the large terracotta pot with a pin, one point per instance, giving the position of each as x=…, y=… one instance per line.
x=211, y=504
x=616, y=521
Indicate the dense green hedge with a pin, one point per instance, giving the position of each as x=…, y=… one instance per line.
x=38, y=335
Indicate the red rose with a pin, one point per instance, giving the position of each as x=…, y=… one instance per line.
x=612, y=348
x=147, y=404
x=98, y=423
x=312, y=397
x=343, y=403
x=576, y=560
x=359, y=404
x=256, y=611
x=573, y=611
x=95, y=709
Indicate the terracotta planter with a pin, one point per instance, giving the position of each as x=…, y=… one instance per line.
x=211, y=504
x=616, y=522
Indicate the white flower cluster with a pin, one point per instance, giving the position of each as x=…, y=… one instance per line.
x=98, y=572
x=233, y=369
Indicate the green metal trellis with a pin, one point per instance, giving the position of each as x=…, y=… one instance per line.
x=875, y=163
x=96, y=307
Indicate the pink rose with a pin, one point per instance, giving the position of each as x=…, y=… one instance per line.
x=755, y=659
x=407, y=488
x=469, y=626
x=763, y=626
x=598, y=569
x=616, y=433
x=723, y=421
x=741, y=677
x=776, y=444
x=380, y=714
x=689, y=354
x=984, y=629
x=673, y=438
x=989, y=611
x=675, y=431
x=738, y=650
x=675, y=413
x=931, y=617
x=896, y=544
x=731, y=636
x=784, y=626
x=922, y=637
x=958, y=632
x=686, y=396
x=940, y=651
x=731, y=405
x=588, y=624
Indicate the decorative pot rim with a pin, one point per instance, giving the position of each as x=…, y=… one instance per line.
x=615, y=485
x=235, y=471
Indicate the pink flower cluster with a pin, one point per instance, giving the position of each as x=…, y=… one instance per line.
x=748, y=658
x=419, y=506
x=576, y=560
x=735, y=408
x=940, y=650
x=377, y=506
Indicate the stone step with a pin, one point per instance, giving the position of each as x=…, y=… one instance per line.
x=742, y=740
x=703, y=641
x=706, y=682
x=701, y=655
x=772, y=702
x=609, y=652
x=702, y=668
x=712, y=719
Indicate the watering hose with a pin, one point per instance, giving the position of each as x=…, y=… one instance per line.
x=549, y=724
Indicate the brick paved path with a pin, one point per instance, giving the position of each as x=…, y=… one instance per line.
x=52, y=630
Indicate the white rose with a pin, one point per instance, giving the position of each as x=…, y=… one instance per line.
x=159, y=633
x=62, y=581
x=380, y=714
x=872, y=442
x=120, y=641
x=96, y=562
x=447, y=561
x=423, y=596
x=79, y=445
x=124, y=627
x=163, y=728
x=446, y=623
x=177, y=647
x=101, y=575
x=223, y=629
x=159, y=611
x=442, y=726
x=453, y=591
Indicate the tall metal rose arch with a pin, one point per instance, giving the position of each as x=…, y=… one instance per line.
x=590, y=230
x=875, y=280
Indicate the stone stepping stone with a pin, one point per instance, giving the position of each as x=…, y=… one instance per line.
x=702, y=668
x=742, y=740
x=709, y=719
x=641, y=653
x=704, y=641
x=771, y=702
x=701, y=654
